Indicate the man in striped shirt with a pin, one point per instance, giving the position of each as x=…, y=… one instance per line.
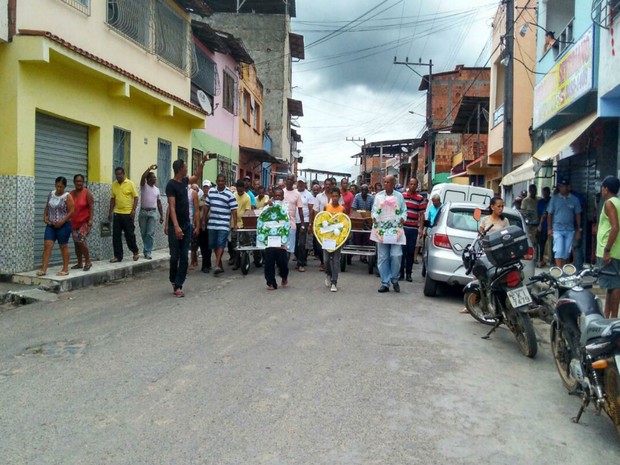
x=416, y=206
x=220, y=206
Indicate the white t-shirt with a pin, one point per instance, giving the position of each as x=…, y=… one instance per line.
x=306, y=199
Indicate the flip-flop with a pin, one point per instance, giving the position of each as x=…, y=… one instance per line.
x=41, y=273
x=464, y=311
x=77, y=267
x=62, y=273
x=136, y=257
x=88, y=267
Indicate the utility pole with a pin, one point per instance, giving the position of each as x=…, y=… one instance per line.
x=509, y=39
x=363, y=164
x=429, y=114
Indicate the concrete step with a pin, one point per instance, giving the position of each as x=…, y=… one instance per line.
x=101, y=272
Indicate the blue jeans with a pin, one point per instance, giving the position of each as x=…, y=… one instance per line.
x=388, y=262
x=148, y=222
x=179, y=248
x=562, y=243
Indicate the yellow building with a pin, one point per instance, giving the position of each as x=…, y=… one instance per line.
x=524, y=81
x=88, y=85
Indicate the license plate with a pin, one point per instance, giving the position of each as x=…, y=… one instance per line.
x=519, y=297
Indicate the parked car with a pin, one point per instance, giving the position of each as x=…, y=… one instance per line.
x=459, y=193
x=455, y=228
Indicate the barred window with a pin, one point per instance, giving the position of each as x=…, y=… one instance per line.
x=132, y=18
x=230, y=92
x=206, y=78
x=171, y=35
x=82, y=5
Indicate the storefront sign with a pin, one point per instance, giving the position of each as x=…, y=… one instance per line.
x=570, y=79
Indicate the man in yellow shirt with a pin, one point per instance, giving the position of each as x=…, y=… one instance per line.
x=244, y=203
x=123, y=203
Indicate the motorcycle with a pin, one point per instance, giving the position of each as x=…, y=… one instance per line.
x=498, y=295
x=585, y=345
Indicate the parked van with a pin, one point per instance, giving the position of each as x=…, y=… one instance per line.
x=460, y=193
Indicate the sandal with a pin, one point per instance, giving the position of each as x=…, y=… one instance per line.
x=136, y=257
x=77, y=267
x=41, y=273
x=464, y=311
x=88, y=266
x=62, y=273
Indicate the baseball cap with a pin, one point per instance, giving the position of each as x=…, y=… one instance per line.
x=247, y=177
x=301, y=180
x=206, y=183
x=563, y=182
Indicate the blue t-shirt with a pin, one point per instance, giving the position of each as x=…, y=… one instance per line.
x=252, y=198
x=564, y=210
x=432, y=214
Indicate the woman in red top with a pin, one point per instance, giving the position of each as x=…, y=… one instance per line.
x=81, y=221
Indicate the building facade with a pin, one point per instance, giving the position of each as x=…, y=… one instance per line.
x=83, y=92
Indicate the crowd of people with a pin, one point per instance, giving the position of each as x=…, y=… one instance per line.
x=211, y=220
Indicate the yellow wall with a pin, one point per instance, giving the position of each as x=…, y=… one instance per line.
x=248, y=135
x=91, y=33
x=74, y=89
x=524, y=81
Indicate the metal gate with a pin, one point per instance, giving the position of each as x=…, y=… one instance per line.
x=164, y=164
x=61, y=149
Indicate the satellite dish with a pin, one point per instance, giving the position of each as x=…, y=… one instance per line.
x=204, y=102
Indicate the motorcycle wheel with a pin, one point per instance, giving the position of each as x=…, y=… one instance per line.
x=521, y=326
x=473, y=304
x=612, y=389
x=563, y=348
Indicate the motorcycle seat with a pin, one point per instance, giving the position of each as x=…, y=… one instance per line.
x=595, y=327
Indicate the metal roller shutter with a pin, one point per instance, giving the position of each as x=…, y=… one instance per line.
x=61, y=149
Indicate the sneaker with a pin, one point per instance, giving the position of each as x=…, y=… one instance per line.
x=334, y=288
x=301, y=269
x=148, y=257
x=218, y=271
x=328, y=282
x=179, y=293
x=271, y=288
x=396, y=287
x=383, y=289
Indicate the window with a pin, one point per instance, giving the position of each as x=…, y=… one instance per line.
x=155, y=26
x=206, y=78
x=121, y=150
x=257, y=113
x=82, y=5
x=230, y=92
x=247, y=107
x=224, y=167
x=196, y=159
x=164, y=163
x=557, y=16
x=182, y=154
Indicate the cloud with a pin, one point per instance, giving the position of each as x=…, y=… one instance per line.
x=349, y=84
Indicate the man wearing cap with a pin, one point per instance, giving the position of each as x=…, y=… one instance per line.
x=307, y=200
x=247, y=182
x=608, y=245
x=563, y=214
x=150, y=205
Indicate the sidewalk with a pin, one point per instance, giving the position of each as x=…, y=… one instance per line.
x=102, y=272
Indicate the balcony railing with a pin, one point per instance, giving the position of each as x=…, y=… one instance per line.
x=498, y=115
x=605, y=12
x=565, y=39
x=82, y=5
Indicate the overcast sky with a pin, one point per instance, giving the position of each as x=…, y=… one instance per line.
x=348, y=82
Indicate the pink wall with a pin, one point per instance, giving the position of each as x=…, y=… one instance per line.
x=222, y=124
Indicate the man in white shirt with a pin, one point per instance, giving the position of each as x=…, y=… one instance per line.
x=150, y=204
x=307, y=200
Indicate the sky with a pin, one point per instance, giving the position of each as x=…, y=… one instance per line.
x=348, y=83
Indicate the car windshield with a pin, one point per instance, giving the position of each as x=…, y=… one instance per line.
x=464, y=220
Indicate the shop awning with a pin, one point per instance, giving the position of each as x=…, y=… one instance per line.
x=525, y=172
x=559, y=144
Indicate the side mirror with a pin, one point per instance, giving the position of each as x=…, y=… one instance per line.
x=477, y=214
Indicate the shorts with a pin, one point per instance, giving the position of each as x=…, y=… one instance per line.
x=562, y=243
x=218, y=238
x=79, y=234
x=58, y=234
x=609, y=277
x=290, y=245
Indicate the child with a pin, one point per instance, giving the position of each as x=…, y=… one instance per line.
x=277, y=255
x=332, y=259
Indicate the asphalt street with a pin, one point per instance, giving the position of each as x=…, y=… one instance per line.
x=233, y=374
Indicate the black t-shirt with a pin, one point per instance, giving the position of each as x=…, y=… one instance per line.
x=178, y=190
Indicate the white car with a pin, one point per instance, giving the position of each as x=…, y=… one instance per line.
x=455, y=228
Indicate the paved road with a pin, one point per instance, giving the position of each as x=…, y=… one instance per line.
x=233, y=374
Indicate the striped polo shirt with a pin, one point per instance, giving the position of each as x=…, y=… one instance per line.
x=221, y=204
x=416, y=205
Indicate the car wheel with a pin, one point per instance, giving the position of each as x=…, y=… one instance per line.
x=430, y=286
